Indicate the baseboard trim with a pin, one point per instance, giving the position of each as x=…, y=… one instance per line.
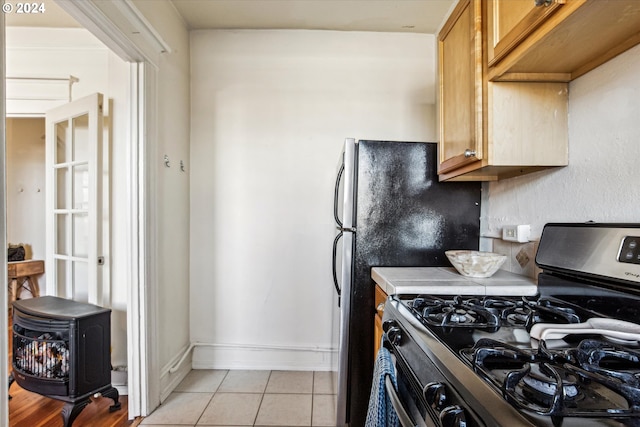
x=258, y=357
x=169, y=379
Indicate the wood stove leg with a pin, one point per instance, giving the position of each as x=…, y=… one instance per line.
x=11, y=381
x=113, y=394
x=70, y=411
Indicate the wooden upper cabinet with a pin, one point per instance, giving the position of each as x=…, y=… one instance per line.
x=509, y=22
x=491, y=131
x=503, y=70
x=460, y=84
x=559, y=40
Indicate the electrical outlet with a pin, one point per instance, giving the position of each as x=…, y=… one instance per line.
x=516, y=233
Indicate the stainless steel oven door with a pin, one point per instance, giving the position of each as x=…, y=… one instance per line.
x=423, y=393
x=411, y=411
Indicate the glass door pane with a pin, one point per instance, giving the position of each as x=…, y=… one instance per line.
x=74, y=137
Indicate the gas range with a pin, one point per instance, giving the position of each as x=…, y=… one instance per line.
x=568, y=356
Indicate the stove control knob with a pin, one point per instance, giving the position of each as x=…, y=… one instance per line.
x=394, y=334
x=453, y=416
x=388, y=324
x=436, y=395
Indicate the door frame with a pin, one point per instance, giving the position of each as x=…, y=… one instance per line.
x=4, y=300
x=111, y=23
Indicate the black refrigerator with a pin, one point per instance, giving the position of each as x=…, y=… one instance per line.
x=390, y=211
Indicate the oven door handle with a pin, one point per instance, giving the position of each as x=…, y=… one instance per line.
x=403, y=416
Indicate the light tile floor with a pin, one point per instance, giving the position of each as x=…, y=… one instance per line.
x=249, y=398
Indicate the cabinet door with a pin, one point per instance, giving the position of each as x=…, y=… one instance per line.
x=377, y=332
x=380, y=298
x=511, y=21
x=460, y=87
x=557, y=42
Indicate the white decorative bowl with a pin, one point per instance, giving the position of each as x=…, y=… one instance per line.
x=475, y=263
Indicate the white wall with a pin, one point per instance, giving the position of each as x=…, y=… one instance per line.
x=270, y=111
x=51, y=53
x=118, y=113
x=26, y=187
x=601, y=181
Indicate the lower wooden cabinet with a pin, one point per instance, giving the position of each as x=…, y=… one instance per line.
x=380, y=298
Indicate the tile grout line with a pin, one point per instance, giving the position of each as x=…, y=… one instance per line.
x=212, y=396
x=205, y=408
x=255, y=419
x=313, y=383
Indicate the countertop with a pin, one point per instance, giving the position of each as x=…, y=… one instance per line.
x=447, y=281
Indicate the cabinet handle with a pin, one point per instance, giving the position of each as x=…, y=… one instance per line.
x=539, y=3
x=469, y=153
x=380, y=307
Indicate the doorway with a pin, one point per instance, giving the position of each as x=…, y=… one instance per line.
x=119, y=80
x=51, y=53
x=67, y=273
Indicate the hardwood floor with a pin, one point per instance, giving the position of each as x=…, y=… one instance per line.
x=27, y=409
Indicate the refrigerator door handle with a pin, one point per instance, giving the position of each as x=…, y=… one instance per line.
x=336, y=196
x=335, y=273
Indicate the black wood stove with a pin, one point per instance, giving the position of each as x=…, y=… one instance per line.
x=61, y=349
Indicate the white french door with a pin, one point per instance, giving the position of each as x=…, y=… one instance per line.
x=74, y=200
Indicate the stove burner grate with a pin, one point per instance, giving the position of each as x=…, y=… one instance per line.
x=560, y=383
x=489, y=312
x=547, y=311
x=456, y=312
x=546, y=382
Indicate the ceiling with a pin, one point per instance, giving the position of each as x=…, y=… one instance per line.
x=415, y=16
x=418, y=16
